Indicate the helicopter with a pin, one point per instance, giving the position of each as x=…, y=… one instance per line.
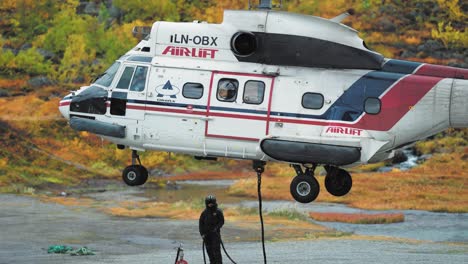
x=267, y=85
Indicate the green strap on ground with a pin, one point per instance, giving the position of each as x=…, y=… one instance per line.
x=62, y=249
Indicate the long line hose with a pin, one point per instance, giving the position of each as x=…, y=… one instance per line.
x=259, y=185
x=224, y=249
x=259, y=191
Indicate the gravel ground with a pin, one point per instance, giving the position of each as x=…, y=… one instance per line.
x=29, y=226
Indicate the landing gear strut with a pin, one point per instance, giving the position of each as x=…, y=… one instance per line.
x=338, y=182
x=304, y=187
x=135, y=175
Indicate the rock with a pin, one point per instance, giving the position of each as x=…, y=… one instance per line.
x=384, y=169
x=4, y=93
x=40, y=81
x=79, y=80
x=14, y=51
x=385, y=25
x=430, y=46
x=423, y=158
x=399, y=157
x=408, y=54
x=25, y=46
x=46, y=54
x=157, y=173
x=114, y=12
x=91, y=9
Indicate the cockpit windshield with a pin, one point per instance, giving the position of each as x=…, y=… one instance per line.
x=106, y=78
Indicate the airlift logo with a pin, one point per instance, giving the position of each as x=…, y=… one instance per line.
x=167, y=90
x=344, y=131
x=190, y=52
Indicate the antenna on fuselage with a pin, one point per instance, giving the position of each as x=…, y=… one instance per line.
x=265, y=5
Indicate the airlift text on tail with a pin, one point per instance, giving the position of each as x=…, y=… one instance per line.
x=268, y=86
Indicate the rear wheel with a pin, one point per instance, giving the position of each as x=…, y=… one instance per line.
x=338, y=182
x=304, y=188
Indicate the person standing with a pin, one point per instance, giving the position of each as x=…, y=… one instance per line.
x=210, y=223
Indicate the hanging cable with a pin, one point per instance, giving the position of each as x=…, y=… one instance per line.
x=259, y=181
x=203, y=249
x=259, y=167
x=225, y=252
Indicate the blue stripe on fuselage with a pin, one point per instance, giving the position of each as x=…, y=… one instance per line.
x=400, y=66
x=348, y=107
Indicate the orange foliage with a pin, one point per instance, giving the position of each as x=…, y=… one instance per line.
x=12, y=84
x=434, y=186
x=359, y=218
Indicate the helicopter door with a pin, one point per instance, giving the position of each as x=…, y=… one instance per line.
x=239, y=106
x=129, y=95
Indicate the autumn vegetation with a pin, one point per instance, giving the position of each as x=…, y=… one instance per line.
x=68, y=43
x=359, y=218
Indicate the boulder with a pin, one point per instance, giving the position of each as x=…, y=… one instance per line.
x=40, y=81
x=399, y=157
x=4, y=93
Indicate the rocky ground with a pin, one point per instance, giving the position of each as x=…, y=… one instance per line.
x=30, y=225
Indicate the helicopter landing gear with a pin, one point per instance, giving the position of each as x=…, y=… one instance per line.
x=338, y=182
x=135, y=175
x=304, y=187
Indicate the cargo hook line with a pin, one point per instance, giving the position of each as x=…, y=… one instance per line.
x=224, y=249
x=259, y=167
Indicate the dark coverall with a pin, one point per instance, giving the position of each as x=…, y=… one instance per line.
x=210, y=223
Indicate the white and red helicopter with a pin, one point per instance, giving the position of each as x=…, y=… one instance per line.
x=268, y=86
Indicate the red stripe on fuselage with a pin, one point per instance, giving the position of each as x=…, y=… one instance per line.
x=442, y=71
x=396, y=103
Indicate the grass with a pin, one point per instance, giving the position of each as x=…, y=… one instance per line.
x=360, y=218
x=288, y=214
x=438, y=185
x=279, y=225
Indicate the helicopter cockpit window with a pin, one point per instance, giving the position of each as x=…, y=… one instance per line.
x=372, y=105
x=90, y=101
x=106, y=78
x=139, y=79
x=312, y=100
x=125, y=78
x=254, y=92
x=227, y=90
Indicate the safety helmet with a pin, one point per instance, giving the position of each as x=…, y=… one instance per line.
x=227, y=91
x=210, y=199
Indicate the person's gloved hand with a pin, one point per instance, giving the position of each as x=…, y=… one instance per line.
x=203, y=236
x=215, y=230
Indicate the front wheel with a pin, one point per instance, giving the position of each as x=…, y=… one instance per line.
x=135, y=175
x=304, y=189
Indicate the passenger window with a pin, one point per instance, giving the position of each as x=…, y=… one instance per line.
x=192, y=90
x=227, y=90
x=254, y=92
x=139, y=79
x=372, y=105
x=126, y=78
x=312, y=100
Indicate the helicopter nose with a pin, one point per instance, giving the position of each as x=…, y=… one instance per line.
x=458, y=104
x=64, y=106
